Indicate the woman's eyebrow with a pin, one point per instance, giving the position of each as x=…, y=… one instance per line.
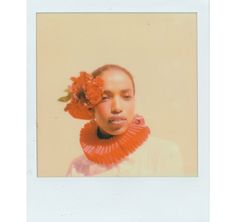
x=126, y=90
x=107, y=92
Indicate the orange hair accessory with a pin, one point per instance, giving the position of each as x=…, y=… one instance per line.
x=84, y=93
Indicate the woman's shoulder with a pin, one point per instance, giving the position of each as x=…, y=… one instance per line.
x=167, y=154
x=162, y=146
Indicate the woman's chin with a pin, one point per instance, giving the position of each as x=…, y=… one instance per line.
x=119, y=131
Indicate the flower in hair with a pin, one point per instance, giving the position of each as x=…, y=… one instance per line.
x=94, y=90
x=83, y=94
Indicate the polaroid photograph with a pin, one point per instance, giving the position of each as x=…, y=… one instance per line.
x=118, y=117
x=139, y=91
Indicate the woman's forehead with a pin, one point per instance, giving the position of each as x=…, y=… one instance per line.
x=116, y=80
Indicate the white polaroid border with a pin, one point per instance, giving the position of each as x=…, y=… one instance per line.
x=105, y=199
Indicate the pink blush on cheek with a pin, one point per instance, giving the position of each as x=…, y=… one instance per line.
x=102, y=110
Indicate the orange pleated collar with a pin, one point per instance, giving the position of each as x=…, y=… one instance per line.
x=113, y=150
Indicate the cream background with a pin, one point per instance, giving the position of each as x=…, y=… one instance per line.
x=159, y=49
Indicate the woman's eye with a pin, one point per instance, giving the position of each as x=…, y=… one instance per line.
x=127, y=96
x=105, y=97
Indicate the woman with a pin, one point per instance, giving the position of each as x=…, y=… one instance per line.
x=115, y=141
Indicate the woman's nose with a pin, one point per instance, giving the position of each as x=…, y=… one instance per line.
x=116, y=106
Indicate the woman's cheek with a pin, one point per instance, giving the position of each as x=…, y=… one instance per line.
x=102, y=109
x=130, y=107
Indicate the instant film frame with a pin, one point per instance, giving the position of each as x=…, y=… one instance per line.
x=160, y=51
x=121, y=199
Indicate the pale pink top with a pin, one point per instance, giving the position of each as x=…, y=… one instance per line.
x=156, y=157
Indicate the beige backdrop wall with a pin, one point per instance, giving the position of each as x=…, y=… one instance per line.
x=160, y=49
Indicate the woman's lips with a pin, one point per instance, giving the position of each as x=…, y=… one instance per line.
x=117, y=120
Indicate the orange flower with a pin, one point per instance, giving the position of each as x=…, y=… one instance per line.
x=94, y=90
x=78, y=110
x=84, y=93
x=79, y=83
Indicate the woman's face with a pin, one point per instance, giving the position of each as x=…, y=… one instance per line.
x=116, y=110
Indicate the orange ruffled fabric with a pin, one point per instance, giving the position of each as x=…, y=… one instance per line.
x=115, y=149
